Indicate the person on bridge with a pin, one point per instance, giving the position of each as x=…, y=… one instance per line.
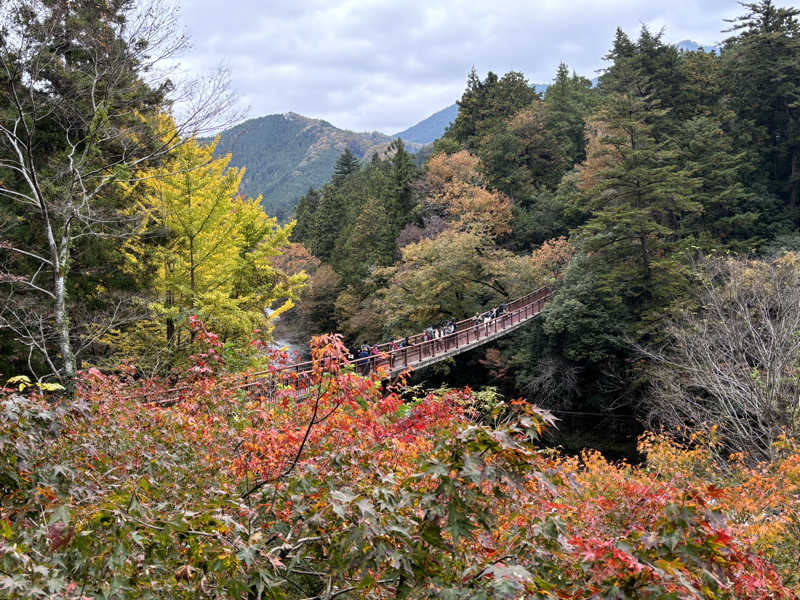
x=363, y=354
x=437, y=335
x=375, y=353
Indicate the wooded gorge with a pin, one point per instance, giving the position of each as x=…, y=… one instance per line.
x=141, y=456
x=624, y=197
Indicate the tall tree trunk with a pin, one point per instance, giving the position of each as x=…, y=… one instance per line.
x=62, y=328
x=59, y=255
x=169, y=302
x=191, y=279
x=794, y=181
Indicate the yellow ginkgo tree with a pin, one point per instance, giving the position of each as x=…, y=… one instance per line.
x=209, y=252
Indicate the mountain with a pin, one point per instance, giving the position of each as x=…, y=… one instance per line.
x=430, y=129
x=286, y=154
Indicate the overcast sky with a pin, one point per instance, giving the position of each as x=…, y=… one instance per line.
x=387, y=64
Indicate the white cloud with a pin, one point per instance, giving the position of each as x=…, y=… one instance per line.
x=385, y=64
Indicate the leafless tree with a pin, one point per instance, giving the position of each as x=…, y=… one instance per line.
x=82, y=87
x=734, y=362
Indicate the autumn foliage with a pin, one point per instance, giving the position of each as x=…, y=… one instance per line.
x=334, y=486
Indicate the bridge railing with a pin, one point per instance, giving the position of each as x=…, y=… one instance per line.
x=467, y=331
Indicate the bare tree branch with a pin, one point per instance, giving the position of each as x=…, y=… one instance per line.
x=735, y=361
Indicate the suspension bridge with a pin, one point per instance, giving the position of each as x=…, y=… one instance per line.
x=418, y=353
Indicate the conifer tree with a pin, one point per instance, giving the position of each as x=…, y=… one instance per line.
x=485, y=105
x=369, y=243
x=731, y=214
x=346, y=164
x=401, y=199
x=762, y=76
x=525, y=156
x=304, y=215
x=329, y=219
x=569, y=102
x=621, y=57
x=638, y=194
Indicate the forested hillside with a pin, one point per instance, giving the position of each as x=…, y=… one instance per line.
x=156, y=443
x=620, y=197
x=284, y=155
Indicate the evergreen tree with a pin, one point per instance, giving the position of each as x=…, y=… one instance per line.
x=703, y=86
x=621, y=57
x=400, y=201
x=761, y=70
x=652, y=68
x=659, y=63
x=569, y=101
x=524, y=157
x=369, y=243
x=304, y=215
x=346, y=164
x=730, y=216
x=638, y=194
x=485, y=105
x=76, y=115
x=328, y=222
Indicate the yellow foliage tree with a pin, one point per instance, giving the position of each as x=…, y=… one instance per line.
x=454, y=183
x=215, y=251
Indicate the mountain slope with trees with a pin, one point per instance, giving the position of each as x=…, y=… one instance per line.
x=613, y=194
x=284, y=155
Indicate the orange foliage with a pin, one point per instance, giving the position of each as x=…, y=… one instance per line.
x=296, y=258
x=549, y=260
x=475, y=507
x=454, y=181
x=600, y=155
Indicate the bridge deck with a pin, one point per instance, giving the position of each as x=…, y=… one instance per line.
x=418, y=354
x=421, y=353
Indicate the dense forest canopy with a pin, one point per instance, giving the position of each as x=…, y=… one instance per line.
x=147, y=450
x=674, y=157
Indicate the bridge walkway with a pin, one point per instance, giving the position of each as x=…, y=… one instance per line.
x=418, y=354
x=421, y=352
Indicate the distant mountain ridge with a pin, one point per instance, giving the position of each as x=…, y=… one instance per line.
x=432, y=128
x=286, y=154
